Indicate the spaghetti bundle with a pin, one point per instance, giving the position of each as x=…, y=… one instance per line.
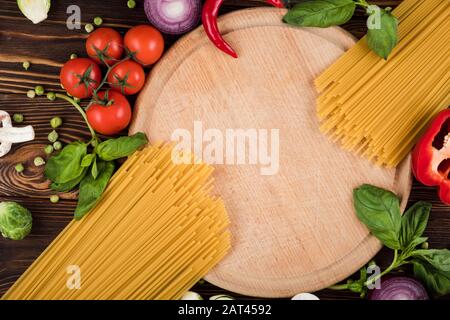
x=154, y=234
x=379, y=108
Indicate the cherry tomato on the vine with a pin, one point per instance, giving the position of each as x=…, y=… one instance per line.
x=145, y=43
x=128, y=77
x=80, y=77
x=111, y=118
x=105, y=43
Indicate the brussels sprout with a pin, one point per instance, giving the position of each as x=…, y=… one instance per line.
x=15, y=220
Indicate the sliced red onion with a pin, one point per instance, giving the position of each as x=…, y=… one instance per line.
x=399, y=288
x=173, y=16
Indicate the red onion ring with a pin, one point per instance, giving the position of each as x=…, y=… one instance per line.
x=173, y=16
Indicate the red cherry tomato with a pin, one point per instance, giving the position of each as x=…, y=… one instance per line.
x=127, y=77
x=146, y=43
x=111, y=118
x=80, y=77
x=105, y=42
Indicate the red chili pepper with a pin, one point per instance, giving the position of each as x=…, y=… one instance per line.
x=209, y=19
x=431, y=156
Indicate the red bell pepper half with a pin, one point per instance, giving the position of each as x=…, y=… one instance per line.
x=431, y=156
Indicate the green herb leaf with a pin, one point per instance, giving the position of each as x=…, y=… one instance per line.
x=414, y=222
x=94, y=170
x=382, y=35
x=87, y=160
x=414, y=243
x=438, y=258
x=70, y=185
x=66, y=166
x=121, y=147
x=436, y=280
x=379, y=210
x=320, y=13
x=91, y=189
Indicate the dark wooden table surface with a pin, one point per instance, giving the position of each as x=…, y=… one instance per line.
x=47, y=46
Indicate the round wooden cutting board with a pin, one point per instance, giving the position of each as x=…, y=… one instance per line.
x=296, y=230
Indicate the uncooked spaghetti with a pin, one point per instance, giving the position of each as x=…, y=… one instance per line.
x=379, y=108
x=153, y=235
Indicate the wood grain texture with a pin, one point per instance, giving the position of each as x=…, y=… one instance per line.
x=48, y=45
x=300, y=228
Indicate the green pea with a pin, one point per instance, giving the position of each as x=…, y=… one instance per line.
x=51, y=96
x=54, y=198
x=89, y=27
x=26, y=65
x=53, y=136
x=39, y=90
x=98, y=21
x=57, y=145
x=48, y=149
x=31, y=94
x=131, y=4
x=39, y=161
x=19, y=167
x=17, y=117
x=56, y=122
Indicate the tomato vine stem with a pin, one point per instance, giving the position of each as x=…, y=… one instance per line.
x=105, y=78
x=81, y=111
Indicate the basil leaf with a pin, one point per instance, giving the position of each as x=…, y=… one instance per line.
x=414, y=243
x=438, y=258
x=94, y=170
x=87, y=160
x=379, y=210
x=434, y=279
x=66, y=166
x=91, y=189
x=121, y=147
x=382, y=35
x=70, y=185
x=320, y=13
x=414, y=222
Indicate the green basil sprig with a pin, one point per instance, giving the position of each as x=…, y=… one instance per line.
x=382, y=39
x=432, y=267
x=321, y=13
x=121, y=147
x=413, y=225
x=91, y=188
x=379, y=210
x=382, y=34
x=92, y=171
x=65, y=166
